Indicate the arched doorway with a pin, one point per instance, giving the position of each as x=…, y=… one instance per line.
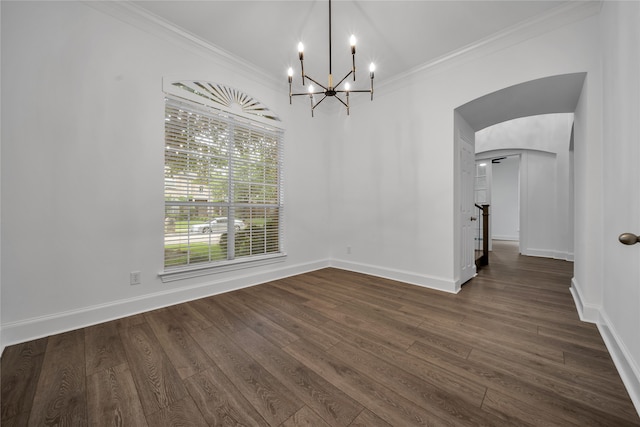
x=524, y=171
x=554, y=94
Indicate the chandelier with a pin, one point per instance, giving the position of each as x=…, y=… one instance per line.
x=330, y=90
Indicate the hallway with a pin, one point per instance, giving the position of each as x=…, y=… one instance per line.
x=521, y=293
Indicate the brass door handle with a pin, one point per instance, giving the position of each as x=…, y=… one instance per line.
x=628, y=239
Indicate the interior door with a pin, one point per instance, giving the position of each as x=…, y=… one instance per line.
x=468, y=216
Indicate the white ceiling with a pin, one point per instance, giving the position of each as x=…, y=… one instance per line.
x=396, y=35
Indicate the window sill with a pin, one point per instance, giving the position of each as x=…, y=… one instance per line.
x=181, y=273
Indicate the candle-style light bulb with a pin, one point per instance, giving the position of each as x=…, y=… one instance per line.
x=352, y=42
x=310, y=89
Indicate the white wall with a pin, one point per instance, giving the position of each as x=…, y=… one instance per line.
x=82, y=168
x=505, y=199
x=619, y=313
x=539, y=215
x=1, y=341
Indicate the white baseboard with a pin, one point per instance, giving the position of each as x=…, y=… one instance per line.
x=628, y=370
x=409, y=277
x=587, y=312
x=38, y=327
x=508, y=238
x=547, y=253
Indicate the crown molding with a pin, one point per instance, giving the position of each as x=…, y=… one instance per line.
x=558, y=17
x=142, y=19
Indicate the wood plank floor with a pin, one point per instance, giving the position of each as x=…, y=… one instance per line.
x=333, y=348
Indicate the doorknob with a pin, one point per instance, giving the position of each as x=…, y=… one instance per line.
x=628, y=238
x=473, y=218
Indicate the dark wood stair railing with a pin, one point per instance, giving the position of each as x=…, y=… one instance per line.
x=483, y=260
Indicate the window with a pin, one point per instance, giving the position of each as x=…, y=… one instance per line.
x=223, y=194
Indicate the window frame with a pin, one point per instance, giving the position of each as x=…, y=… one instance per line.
x=237, y=123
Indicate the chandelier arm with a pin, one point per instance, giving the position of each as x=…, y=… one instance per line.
x=318, y=103
x=343, y=103
x=344, y=78
x=354, y=91
x=319, y=84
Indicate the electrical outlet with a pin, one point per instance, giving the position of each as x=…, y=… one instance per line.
x=134, y=278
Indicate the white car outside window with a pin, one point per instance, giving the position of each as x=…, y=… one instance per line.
x=217, y=225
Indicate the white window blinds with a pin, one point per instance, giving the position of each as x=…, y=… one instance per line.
x=223, y=190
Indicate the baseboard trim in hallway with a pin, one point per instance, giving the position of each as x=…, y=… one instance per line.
x=629, y=373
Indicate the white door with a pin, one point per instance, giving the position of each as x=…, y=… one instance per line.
x=468, y=216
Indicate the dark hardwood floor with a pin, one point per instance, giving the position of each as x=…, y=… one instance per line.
x=333, y=348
